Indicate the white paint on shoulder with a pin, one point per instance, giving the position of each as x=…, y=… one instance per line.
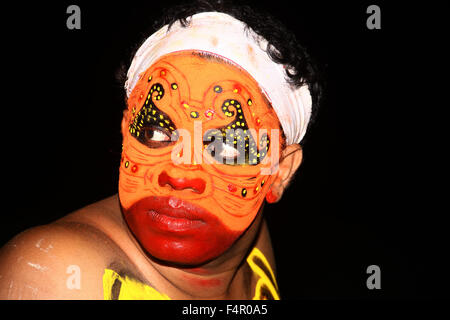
x=38, y=266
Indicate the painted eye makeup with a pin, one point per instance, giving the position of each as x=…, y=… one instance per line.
x=151, y=126
x=236, y=136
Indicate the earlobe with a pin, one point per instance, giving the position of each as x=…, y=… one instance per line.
x=270, y=197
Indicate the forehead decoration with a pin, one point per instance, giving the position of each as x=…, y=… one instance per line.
x=222, y=35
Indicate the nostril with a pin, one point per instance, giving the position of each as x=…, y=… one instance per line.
x=197, y=185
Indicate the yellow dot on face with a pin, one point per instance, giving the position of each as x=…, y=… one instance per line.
x=185, y=105
x=163, y=73
x=209, y=114
x=149, y=78
x=194, y=114
x=249, y=102
x=257, y=188
x=235, y=90
x=258, y=121
x=174, y=86
x=127, y=164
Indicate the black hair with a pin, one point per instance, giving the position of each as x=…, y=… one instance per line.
x=283, y=47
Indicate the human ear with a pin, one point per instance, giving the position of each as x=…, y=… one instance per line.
x=291, y=158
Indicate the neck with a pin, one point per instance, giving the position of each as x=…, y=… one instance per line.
x=221, y=278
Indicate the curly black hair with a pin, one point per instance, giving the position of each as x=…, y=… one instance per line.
x=283, y=47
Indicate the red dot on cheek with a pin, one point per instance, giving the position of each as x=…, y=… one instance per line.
x=134, y=168
x=232, y=188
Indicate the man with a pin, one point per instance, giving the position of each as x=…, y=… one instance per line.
x=216, y=110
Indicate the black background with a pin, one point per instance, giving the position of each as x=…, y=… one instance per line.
x=361, y=194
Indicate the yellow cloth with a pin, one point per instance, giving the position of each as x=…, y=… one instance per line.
x=131, y=289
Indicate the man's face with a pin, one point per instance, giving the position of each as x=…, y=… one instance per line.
x=190, y=182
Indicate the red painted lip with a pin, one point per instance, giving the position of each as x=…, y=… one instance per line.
x=177, y=231
x=172, y=215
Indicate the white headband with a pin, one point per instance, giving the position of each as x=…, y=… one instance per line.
x=226, y=36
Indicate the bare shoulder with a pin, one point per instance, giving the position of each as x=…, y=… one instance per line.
x=62, y=260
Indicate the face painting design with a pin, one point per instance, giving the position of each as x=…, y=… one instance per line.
x=190, y=213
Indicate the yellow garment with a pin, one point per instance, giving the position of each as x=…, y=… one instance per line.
x=131, y=289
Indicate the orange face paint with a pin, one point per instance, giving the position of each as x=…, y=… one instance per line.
x=191, y=211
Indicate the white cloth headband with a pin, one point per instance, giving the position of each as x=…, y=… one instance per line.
x=221, y=34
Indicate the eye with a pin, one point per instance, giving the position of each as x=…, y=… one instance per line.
x=223, y=153
x=228, y=152
x=156, y=135
x=155, y=138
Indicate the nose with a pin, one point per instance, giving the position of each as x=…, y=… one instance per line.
x=197, y=185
